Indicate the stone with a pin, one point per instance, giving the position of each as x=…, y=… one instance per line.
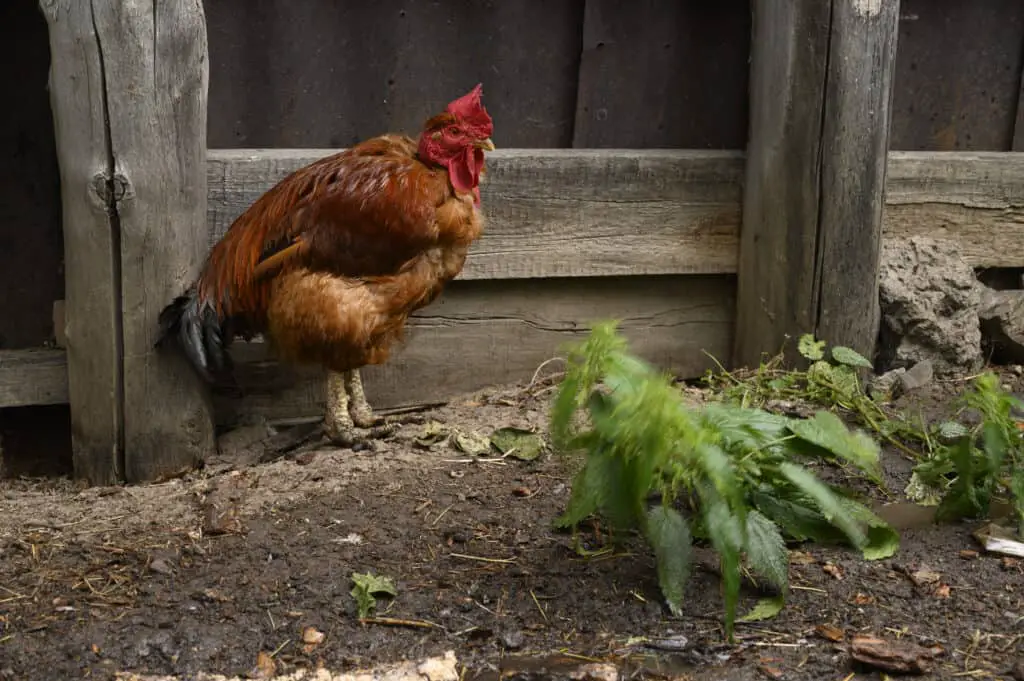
x=916, y=377
x=1002, y=324
x=929, y=303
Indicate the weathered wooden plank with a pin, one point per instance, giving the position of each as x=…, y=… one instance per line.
x=777, y=292
x=38, y=376
x=957, y=75
x=31, y=276
x=557, y=212
x=155, y=89
x=482, y=333
x=973, y=200
x=855, y=146
x=645, y=75
x=323, y=73
x=91, y=269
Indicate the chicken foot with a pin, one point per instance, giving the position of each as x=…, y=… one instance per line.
x=349, y=410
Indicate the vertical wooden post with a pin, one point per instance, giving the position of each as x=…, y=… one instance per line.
x=820, y=110
x=129, y=83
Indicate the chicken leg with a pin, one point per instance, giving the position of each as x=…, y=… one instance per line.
x=348, y=410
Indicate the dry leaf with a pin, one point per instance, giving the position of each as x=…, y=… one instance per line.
x=833, y=569
x=312, y=635
x=924, y=577
x=942, y=591
x=862, y=599
x=830, y=632
x=801, y=558
x=266, y=668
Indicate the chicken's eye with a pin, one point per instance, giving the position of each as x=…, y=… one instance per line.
x=453, y=131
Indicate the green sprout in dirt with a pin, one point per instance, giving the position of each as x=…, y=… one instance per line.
x=977, y=465
x=832, y=380
x=365, y=588
x=725, y=473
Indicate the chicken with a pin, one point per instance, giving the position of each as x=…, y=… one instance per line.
x=328, y=264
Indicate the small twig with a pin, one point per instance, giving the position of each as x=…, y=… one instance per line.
x=399, y=622
x=440, y=515
x=482, y=559
x=537, y=603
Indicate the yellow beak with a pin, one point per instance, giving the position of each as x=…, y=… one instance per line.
x=486, y=145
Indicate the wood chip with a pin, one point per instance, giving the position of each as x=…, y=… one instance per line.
x=898, y=657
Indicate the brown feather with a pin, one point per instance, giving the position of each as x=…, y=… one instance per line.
x=331, y=261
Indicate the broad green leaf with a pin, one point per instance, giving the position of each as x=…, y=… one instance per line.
x=766, y=550
x=810, y=348
x=968, y=496
x=764, y=609
x=669, y=535
x=850, y=357
x=883, y=541
x=522, y=444
x=797, y=521
x=826, y=430
x=827, y=502
x=365, y=587
x=590, y=486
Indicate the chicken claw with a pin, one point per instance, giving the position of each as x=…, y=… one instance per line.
x=348, y=413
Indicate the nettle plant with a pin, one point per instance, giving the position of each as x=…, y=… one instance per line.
x=723, y=473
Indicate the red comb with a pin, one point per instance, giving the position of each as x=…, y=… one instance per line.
x=469, y=109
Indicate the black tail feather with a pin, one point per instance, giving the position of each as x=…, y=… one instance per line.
x=200, y=334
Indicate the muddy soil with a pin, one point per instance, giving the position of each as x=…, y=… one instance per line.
x=97, y=581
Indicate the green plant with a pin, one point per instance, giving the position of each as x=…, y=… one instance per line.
x=725, y=473
x=831, y=380
x=976, y=465
x=365, y=587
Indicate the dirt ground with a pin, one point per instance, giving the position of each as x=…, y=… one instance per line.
x=97, y=581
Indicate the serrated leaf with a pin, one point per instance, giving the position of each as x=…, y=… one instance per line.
x=521, y=444
x=726, y=535
x=826, y=430
x=810, y=348
x=766, y=550
x=826, y=501
x=764, y=609
x=951, y=430
x=669, y=536
x=797, y=521
x=365, y=587
x=820, y=372
x=850, y=357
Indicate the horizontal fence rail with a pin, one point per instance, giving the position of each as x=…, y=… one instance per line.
x=633, y=226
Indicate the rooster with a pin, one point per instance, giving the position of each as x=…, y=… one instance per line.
x=329, y=263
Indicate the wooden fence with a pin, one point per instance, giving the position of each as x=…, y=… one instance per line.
x=638, y=220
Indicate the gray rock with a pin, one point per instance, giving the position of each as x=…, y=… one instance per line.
x=929, y=301
x=1002, y=324
x=916, y=377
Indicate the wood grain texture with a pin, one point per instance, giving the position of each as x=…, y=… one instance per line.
x=33, y=377
x=156, y=89
x=91, y=273
x=958, y=74
x=777, y=293
x=324, y=73
x=483, y=333
x=554, y=213
x=973, y=200
x=648, y=70
x=855, y=145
